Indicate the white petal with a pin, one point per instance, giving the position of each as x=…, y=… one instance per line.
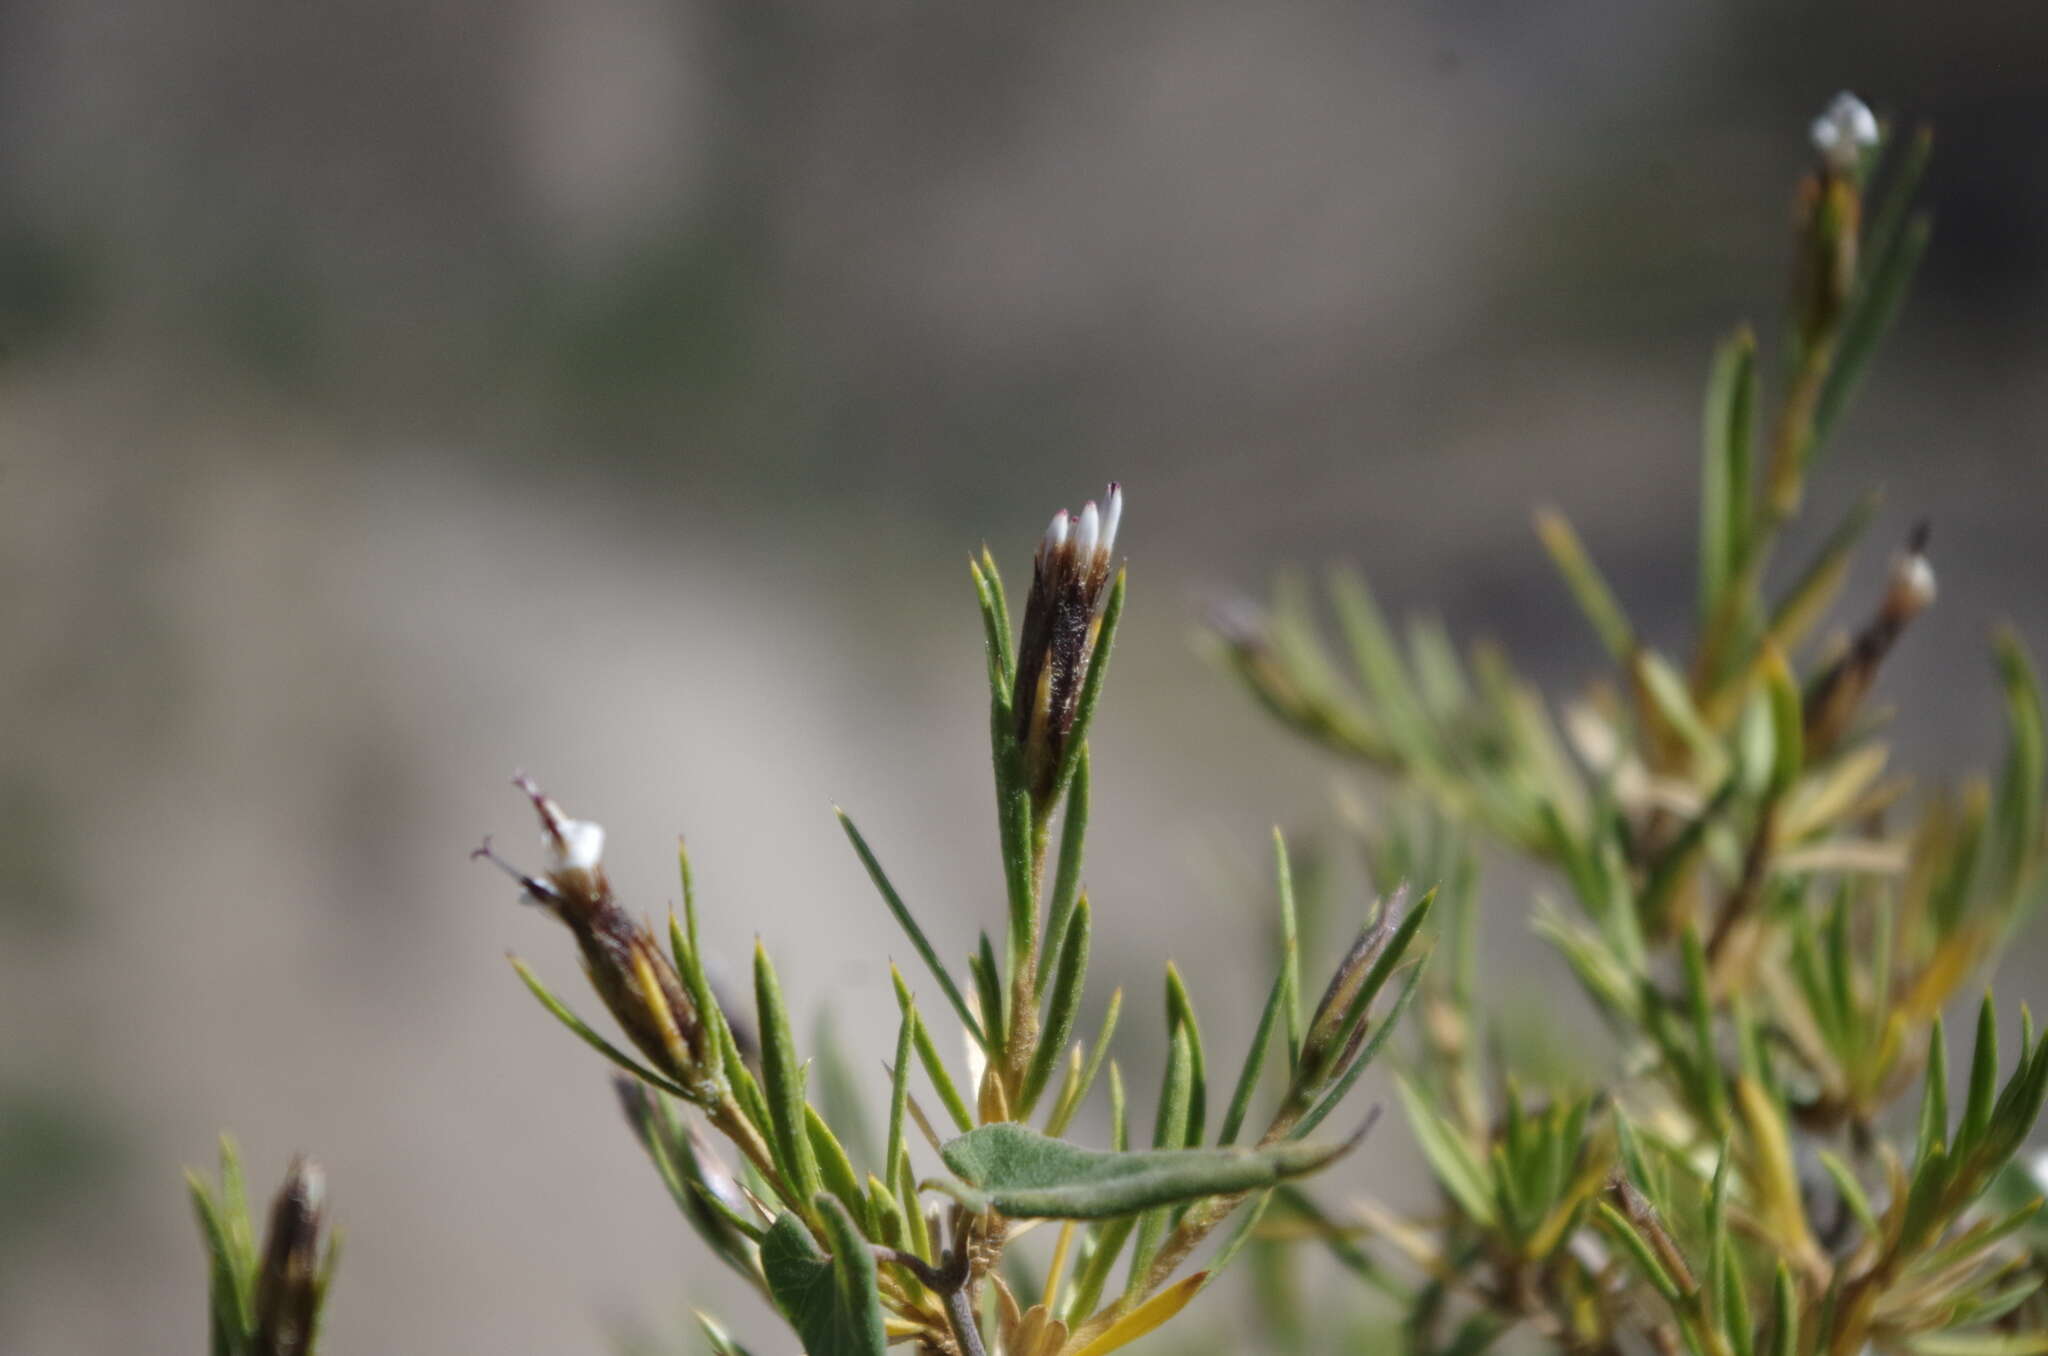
x=1056, y=534
x=582, y=845
x=1844, y=131
x=1086, y=533
x=1112, y=514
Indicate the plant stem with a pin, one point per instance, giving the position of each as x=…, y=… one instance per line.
x=960, y=1309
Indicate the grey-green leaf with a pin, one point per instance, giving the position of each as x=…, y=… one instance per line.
x=1026, y=1175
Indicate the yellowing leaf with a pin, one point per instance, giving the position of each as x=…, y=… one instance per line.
x=1146, y=1316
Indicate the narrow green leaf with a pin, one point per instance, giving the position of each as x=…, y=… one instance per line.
x=835, y=1168
x=1119, y=1124
x=1934, y=1099
x=1356, y=1013
x=1725, y=488
x=995, y=626
x=1170, y=1124
x=1380, y=664
x=1712, y=1087
x=1066, y=884
x=746, y=1089
x=899, y=1087
x=1717, y=1244
x=783, y=1080
x=990, y=991
x=1248, y=1217
x=913, y=1213
x=1907, y=166
x=911, y=929
x=1788, y=724
x=1588, y=588
x=1290, y=949
x=1064, y=1113
x=689, y=957
x=1070, y=975
x=1851, y=1191
x=1735, y=1302
x=590, y=1037
x=1018, y=829
x=230, y=1286
x=2020, y=790
x=1639, y=1251
x=1180, y=1014
x=928, y=1055
x=1817, y=584
x=1026, y=1175
x=1363, y=1060
x=1888, y=278
x=1254, y=1062
x=832, y=1301
x=1668, y=693
x=1785, y=1324
x=1457, y=1168
x=1170, y=1118
x=994, y=578
x=1983, y=1081
x=1107, y=1245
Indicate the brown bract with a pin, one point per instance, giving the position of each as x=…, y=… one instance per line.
x=1069, y=582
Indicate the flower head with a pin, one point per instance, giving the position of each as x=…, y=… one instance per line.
x=1843, y=132
x=1070, y=579
x=288, y=1289
x=1836, y=695
x=629, y=969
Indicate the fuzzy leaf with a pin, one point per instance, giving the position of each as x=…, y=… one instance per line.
x=783, y=1081
x=1025, y=1175
x=831, y=1301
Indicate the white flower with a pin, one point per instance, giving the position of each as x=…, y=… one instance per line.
x=582, y=843
x=572, y=844
x=1913, y=577
x=1844, y=132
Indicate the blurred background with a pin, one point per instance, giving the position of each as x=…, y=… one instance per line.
x=397, y=394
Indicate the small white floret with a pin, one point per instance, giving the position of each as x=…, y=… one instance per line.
x=581, y=844
x=1844, y=131
x=1913, y=578
x=1056, y=533
x=1112, y=514
x=1086, y=532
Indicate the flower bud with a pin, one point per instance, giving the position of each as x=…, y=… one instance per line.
x=1844, y=131
x=1069, y=583
x=1830, y=217
x=1833, y=700
x=627, y=966
x=1325, y=1028
x=288, y=1288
